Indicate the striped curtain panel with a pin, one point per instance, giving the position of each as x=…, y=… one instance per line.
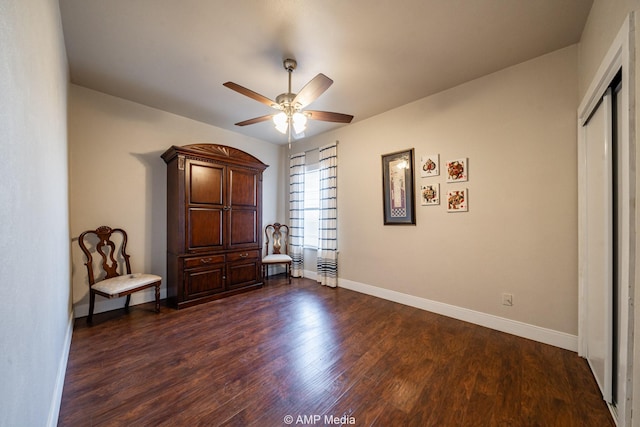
x=328, y=218
x=296, y=214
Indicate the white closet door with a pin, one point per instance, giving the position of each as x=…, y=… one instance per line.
x=599, y=271
x=619, y=354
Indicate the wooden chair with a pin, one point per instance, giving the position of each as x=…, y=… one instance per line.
x=115, y=283
x=275, y=248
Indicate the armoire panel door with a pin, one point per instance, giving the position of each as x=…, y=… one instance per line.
x=244, y=193
x=204, y=229
x=200, y=283
x=243, y=228
x=240, y=274
x=205, y=182
x=243, y=188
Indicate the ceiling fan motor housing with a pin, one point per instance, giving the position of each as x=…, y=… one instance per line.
x=289, y=64
x=285, y=101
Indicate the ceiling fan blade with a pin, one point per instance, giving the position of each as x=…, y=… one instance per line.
x=312, y=90
x=255, y=120
x=251, y=94
x=327, y=116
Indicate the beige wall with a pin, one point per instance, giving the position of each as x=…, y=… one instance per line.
x=35, y=322
x=117, y=177
x=518, y=129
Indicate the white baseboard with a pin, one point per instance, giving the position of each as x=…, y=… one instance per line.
x=513, y=327
x=56, y=401
x=310, y=274
x=104, y=304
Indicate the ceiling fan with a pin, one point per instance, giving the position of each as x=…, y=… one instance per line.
x=292, y=119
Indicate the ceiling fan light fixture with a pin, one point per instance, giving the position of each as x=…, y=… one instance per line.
x=299, y=122
x=281, y=122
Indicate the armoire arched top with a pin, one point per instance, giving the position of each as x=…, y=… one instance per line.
x=208, y=152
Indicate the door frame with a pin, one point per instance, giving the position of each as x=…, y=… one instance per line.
x=620, y=56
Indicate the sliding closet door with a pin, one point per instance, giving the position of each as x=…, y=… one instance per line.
x=620, y=234
x=599, y=253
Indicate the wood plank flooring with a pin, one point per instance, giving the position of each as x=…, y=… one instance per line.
x=320, y=356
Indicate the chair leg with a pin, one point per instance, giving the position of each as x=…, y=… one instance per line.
x=158, y=298
x=92, y=301
x=126, y=304
x=289, y=273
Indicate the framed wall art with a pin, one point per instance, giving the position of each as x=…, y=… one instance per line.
x=457, y=200
x=398, y=194
x=429, y=165
x=430, y=194
x=457, y=170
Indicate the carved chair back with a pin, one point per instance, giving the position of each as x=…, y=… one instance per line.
x=111, y=245
x=276, y=237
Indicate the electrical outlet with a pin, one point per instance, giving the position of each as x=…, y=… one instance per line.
x=507, y=299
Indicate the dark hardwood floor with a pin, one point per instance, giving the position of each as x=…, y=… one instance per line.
x=309, y=352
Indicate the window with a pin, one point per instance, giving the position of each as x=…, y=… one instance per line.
x=311, y=205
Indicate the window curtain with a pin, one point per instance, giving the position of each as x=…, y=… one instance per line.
x=296, y=214
x=328, y=219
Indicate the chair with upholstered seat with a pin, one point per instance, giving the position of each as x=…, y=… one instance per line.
x=115, y=280
x=275, y=248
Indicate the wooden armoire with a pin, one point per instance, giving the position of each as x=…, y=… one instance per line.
x=214, y=223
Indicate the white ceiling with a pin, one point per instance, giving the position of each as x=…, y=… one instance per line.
x=176, y=54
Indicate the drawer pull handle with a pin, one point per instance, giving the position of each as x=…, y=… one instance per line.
x=244, y=255
x=205, y=260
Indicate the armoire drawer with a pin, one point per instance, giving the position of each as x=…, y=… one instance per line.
x=242, y=255
x=203, y=261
